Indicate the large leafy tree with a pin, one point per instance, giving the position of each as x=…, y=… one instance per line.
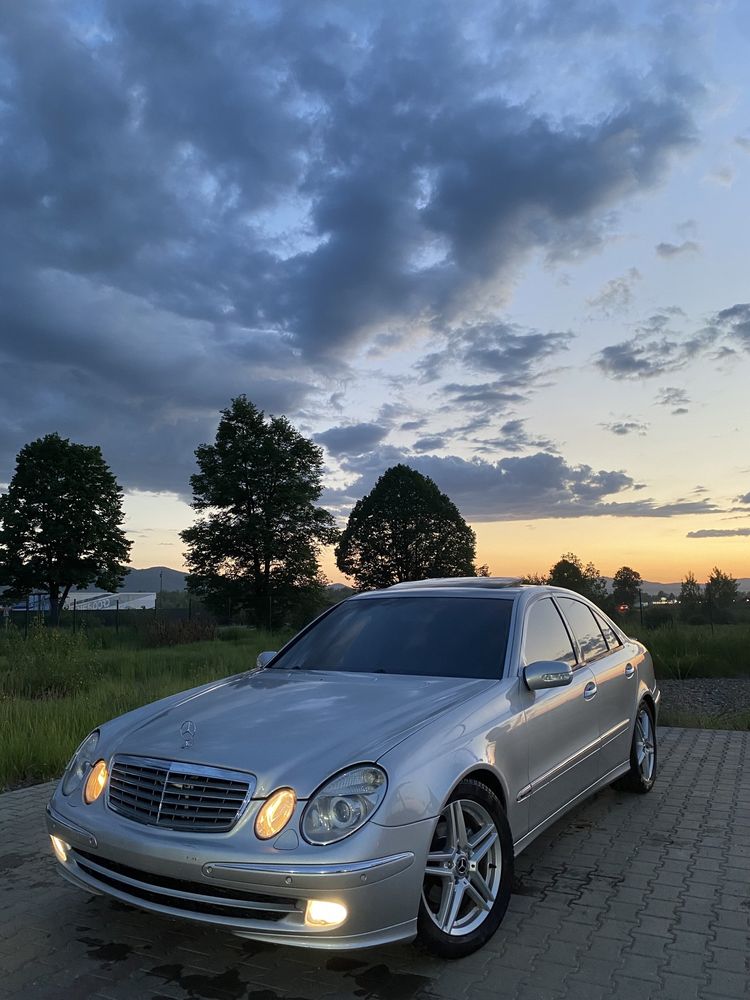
x=255, y=545
x=570, y=572
x=60, y=523
x=721, y=589
x=625, y=586
x=690, y=597
x=405, y=529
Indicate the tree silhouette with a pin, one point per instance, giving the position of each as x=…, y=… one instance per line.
x=255, y=545
x=60, y=523
x=405, y=529
x=625, y=586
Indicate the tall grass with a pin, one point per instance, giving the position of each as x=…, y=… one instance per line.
x=681, y=651
x=41, y=724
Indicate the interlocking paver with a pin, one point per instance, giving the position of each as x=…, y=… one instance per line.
x=627, y=897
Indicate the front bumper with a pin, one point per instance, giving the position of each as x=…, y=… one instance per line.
x=212, y=879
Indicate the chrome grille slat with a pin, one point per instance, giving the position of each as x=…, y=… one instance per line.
x=177, y=796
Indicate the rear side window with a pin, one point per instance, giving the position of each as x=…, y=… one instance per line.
x=585, y=628
x=609, y=633
x=546, y=635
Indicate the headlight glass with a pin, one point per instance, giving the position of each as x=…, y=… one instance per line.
x=275, y=813
x=344, y=804
x=80, y=764
x=95, y=783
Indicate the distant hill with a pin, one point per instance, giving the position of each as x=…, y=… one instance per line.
x=149, y=580
x=650, y=587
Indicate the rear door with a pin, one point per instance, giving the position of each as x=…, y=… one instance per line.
x=614, y=675
x=561, y=723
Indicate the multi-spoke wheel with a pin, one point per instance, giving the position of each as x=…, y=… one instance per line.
x=468, y=874
x=642, y=773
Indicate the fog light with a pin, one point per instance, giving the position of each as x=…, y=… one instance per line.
x=60, y=848
x=321, y=913
x=95, y=782
x=275, y=813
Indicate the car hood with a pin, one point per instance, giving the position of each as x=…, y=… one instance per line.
x=293, y=727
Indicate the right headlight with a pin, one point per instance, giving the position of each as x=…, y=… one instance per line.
x=81, y=763
x=344, y=804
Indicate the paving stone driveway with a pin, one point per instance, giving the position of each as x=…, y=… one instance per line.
x=628, y=896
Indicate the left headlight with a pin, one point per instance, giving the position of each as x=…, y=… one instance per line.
x=80, y=764
x=344, y=804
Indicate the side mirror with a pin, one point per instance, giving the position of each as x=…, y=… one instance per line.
x=547, y=674
x=265, y=658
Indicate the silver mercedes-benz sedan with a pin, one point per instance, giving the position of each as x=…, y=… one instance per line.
x=372, y=781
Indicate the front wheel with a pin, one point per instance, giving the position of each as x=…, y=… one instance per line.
x=469, y=872
x=643, y=756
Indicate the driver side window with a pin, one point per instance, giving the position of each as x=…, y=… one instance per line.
x=546, y=636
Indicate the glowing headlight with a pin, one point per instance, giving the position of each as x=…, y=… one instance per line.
x=344, y=804
x=321, y=913
x=275, y=813
x=80, y=763
x=95, y=782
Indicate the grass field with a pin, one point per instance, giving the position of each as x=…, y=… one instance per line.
x=56, y=686
x=54, y=691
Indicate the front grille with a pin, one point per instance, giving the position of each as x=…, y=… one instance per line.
x=181, y=894
x=177, y=796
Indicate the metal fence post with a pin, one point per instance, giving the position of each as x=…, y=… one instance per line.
x=117, y=615
x=26, y=620
x=74, y=616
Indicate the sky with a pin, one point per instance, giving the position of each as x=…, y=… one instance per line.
x=505, y=243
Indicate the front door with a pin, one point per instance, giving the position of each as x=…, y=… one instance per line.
x=561, y=724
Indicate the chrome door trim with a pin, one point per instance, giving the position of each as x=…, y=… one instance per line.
x=559, y=769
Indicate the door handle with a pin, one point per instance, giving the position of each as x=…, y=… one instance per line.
x=629, y=670
x=589, y=691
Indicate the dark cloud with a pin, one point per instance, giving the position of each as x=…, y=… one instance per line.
x=541, y=485
x=352, y=439
x=514, y=437
x=624, y=427
x=675, y=249
x=734, y=322
x=199, y=199
x=744, y=499
x=656, y=349
x=719, y=533
x=433, y=443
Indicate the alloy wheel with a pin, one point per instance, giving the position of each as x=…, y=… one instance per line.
x=464, y=868
x=645, y=744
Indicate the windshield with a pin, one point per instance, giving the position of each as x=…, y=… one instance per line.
x=428, y=636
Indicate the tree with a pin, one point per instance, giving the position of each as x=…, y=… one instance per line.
x=690, y=597
x=569, y=572
x=255, y=546
x=405, y=529
x=721, y=589
x=483, y=570
x=625, y=586
x=60, y=523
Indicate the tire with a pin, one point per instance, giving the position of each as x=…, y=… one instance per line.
x=643, y=754
x=467, y=883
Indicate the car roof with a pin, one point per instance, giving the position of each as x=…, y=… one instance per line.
x=490, y=586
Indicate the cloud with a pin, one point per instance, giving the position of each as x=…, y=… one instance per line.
x=734, y=322
x=352, y=439
x=433, y=443
x=656, y=349
x=541, y=485
x=719, y=533
x=201, y=199
x=744, y=499
x=514, y=437
x=624, y=427
x=675, y=249
x=616, y=296
x=674, y=398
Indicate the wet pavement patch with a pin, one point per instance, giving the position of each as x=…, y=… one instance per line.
x=378, y=983
x=106, y=951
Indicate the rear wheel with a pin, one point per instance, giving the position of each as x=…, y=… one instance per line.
x=469, y=871
x=643, y=754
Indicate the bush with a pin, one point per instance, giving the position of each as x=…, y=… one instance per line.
x=48, y=663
